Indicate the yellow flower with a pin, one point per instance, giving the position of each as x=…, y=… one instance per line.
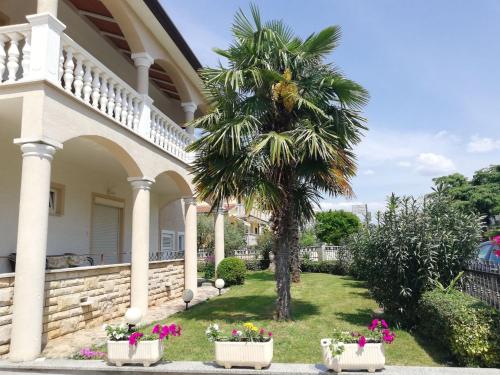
x=250, y=327
x=286, y=91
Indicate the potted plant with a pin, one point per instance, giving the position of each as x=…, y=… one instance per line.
x=250, y=346
x=357, y=351
x=127, y=345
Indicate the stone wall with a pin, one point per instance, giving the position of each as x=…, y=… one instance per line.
x=78, y=298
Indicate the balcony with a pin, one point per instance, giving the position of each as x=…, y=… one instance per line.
x=39, y=50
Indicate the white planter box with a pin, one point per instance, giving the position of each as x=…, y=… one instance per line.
x=249, y=354
x=145, y=352
x=371, y=357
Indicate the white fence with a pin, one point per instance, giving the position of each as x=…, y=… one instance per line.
x=313, y=253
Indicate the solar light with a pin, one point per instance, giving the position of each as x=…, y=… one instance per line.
x=219, y=284
x=133, y=316
x=187, y=296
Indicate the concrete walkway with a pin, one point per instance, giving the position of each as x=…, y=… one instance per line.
x=67, y=345
x=71, y=367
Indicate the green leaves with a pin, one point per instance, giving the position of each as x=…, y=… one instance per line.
x=282, y=122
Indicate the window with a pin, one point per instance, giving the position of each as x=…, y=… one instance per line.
x=166, y=245
x=56, y=199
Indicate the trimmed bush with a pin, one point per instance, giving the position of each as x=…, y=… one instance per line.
x=327, y=266
x=466, y=326
x=232, y=271
x=257, y=265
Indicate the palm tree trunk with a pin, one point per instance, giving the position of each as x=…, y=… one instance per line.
x=295, y=251
x=284, y=231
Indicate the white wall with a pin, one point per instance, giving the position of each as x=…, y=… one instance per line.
x=172, y=218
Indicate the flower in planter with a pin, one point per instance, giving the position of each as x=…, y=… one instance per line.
x=124, y=333
x=378, y=332
x=250, y=332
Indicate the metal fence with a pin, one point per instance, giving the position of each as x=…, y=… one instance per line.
x=482, y=280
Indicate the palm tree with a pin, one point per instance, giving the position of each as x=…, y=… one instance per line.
x=280, y=131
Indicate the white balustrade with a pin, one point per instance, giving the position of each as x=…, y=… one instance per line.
x=165, y=133
x=15, y=52
x=89, y=80
x=83, y=76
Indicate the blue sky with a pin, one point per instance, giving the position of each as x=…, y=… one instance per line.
x=432, y=69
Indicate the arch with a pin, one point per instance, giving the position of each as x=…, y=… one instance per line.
x=179, y=82
x=182, y=185
x=120, y=154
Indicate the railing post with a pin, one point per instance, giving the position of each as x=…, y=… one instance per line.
x=45, y=47
x=144, y=126
x=321, y=253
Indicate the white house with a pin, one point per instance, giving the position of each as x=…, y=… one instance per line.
x=97, y=203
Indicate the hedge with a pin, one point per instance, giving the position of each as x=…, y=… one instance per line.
x=327, y=266
x=466, y=326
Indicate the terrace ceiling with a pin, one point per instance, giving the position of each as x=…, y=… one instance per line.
x=98, y=14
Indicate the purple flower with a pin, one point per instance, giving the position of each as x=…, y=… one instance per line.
x=173, y=329
x=373, y=325
x=362, y=341
x=384, y=324
x=164, y=332
x=156, y=329
x=134, y=338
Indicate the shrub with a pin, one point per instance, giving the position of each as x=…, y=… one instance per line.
x=464, y=325
x=232, y=271
x=327, y=266
x=412, y=244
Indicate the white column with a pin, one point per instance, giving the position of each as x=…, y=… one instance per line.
x=189, y=110
x=190, y=251
x=45, y=47
x=219, y=236
x=142, y=61
x=27, y=315
x=139, y=278
x=47, y=6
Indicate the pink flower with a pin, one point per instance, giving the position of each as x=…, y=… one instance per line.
x=173, y=329
x=373, y=325
x=362, y=341
x=164, y=332
x=270, y=334
x=497, y=253
x=134, y=338
x=384, y=324
x=179, y=329
x=388, y=337
x=156, y=329
x=261, y=332
x=496, y=239
x=234, y=332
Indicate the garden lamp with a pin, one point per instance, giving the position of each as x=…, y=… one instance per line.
x=133, y=316
x=187, y=297
x=219, y=284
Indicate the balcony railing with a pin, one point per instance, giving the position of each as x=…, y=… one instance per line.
x=84, y=77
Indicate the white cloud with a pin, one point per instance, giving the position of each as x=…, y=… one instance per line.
x=369, y=172
x=480, y=145
x=430, y=164
x=404, y=164
x=446, y=136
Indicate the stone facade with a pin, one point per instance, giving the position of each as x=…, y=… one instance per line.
x=84, y=297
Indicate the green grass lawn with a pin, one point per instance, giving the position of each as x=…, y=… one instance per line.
x=320, y=303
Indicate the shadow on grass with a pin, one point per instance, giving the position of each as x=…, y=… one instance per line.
x=435, y=351
x=360, y=317
x=246, y=308
x=260, y=276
